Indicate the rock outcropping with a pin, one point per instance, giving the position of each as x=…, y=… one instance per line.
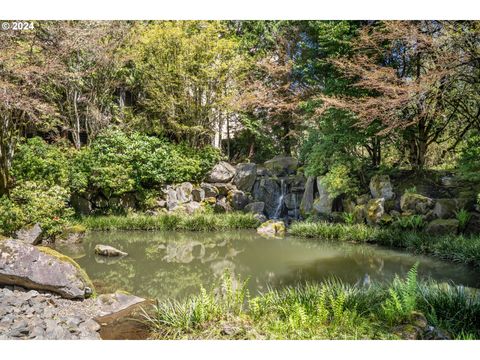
x=41, y=268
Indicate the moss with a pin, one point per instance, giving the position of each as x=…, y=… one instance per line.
x=84, y=277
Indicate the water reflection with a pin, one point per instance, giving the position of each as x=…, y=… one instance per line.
x=176, y=264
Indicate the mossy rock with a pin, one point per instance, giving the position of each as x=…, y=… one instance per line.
x=62, y=257
x=272, y=228
x=42, y=268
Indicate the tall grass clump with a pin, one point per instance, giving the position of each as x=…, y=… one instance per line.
x=169, y=222
x=177, y=319
x=457, y=248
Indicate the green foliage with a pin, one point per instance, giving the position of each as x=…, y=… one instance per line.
x=197, y=222
x=463, y=217
x=411, y=190
x=11, y=216
x=31, y=203
x=35, y=160
x=348, y=218
x=339, y=181
x=186, y=72
x=117, y=163
x=464, y=249
x=469, y=161
x=411, y=222
x=175, y=319
x=403, y=298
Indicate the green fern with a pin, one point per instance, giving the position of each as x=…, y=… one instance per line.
x=403, y=297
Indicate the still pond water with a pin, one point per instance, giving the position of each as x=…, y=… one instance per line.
x=175, y=264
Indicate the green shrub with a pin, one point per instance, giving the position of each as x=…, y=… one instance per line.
x=338, y=180
x=35, y=160
x=469, y=161
x=43, y=204
x=12, y=216
x=117, y=163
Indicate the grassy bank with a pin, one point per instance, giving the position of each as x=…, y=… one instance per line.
x=458, y=248
x=330, y=310
x=166, y=222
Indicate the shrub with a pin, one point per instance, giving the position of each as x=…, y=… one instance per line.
x=117, y=162
x=469, y=161
x=12, y=216
x=35, y=160
x=43, y=204
x=339, y=181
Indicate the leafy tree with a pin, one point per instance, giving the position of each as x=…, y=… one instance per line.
x=186, y=73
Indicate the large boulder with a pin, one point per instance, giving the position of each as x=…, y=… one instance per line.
x=256, y=207
x=281, y=165
x=225, y=188
x=381, y=187
x=192, y=207
x=238, y=199
x=267, y=190
x=416, y=203
x=360, y=214
x=324, y=202
x=442, y=227
x=221, y=173
x=41, y=268
x=375, y=210
x=209, y=190
x=272, y=228
x=184, y=192
x=245, y=176
x=306, y=205
x=221, y=205
x=447, y=208
x=30, y=235
x=81, y=204
x=292, y=200
x=198, y=194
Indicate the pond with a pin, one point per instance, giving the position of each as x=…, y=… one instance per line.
x=175, y=264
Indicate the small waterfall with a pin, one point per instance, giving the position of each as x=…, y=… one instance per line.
x=283, y=192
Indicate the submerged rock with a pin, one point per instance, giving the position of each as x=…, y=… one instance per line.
x=272, y=228
x=42, y=268
x=223, y=172
x=106, y=250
